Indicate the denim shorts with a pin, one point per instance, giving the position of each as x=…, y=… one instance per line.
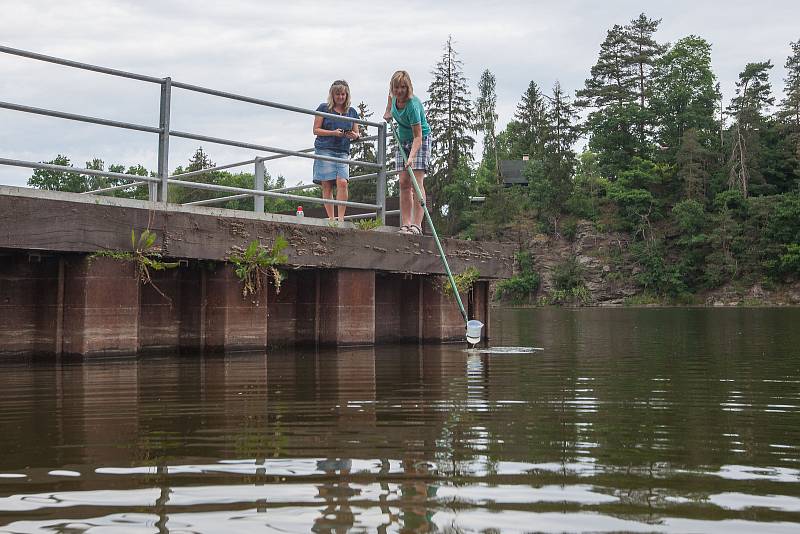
x=328, y=170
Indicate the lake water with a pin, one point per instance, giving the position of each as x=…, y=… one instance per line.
x=632, y=420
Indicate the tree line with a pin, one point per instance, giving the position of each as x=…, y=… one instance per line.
x=708, y=194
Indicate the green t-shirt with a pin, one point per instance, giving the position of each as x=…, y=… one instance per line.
x=410, y=115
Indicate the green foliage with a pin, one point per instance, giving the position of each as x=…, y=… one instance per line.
x=690, y=216
x=367, y=224
x=790, y=261
x=568, y=275
x=257, y=261
x=657, y=275
x=144, y=254
x=464, y=281
x=520, y=287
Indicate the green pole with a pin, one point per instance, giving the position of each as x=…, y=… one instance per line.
x=430, y=223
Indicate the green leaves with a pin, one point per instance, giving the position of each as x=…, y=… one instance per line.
x=257, y=261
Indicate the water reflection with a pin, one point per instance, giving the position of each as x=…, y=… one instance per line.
x=635, y=420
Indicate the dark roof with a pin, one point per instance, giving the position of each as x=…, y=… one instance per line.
x=511, y=171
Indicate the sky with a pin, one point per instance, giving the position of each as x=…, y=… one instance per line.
x=290, y=52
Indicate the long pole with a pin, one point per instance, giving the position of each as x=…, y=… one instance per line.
x=430, y=223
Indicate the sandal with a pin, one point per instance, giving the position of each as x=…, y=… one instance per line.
x=405, y=229
x=414, y=230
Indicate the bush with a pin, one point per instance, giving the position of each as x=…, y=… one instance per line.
x=657, y=275
x=568, y=275
x=519, y=288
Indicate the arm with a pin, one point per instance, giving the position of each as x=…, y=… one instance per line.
x=320, y=132
x=387, y=115
x=416, y=129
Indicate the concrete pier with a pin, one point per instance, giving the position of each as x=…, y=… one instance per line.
x=343, y=286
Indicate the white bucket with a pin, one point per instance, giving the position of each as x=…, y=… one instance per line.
x=474, y=331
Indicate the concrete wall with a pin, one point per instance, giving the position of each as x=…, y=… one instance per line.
x=65, y=304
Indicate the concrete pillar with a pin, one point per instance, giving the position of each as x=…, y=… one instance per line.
x=282, y=311
x=398, y=308
x=232, y=321
x=159, y=317
x=480, y=305
x=29, y=304
x=307, y=307
x=346, y=307
x=191, y=308
x=101, y=307
x=441, y=318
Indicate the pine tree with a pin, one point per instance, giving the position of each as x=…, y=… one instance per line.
x=642, y=52
x=789, y=112
x=530, y=133
x=610, y=94
x=748, y=110
x=451, y=118
x=693, y=160
x=486, y=111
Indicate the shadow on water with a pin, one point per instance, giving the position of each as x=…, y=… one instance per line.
x=667, y=420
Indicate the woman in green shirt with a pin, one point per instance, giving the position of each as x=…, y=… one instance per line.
x=414, y=133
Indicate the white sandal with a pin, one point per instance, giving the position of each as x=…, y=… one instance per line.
x=405, y=229
x=414, y=230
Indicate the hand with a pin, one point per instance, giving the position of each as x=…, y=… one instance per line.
x=352, y=135
x=387, y=116
x=339, y=132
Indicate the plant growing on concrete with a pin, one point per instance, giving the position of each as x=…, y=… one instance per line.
x=520, y=286
x=367, y=224
x=252, y=263
x=144, y=254
x=464, y=281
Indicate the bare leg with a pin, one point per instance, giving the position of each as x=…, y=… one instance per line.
x=341, y=194
x=419, y=213
x=327, y=192
x=406, y=198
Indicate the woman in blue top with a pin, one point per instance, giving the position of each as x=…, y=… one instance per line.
x=333, y=140
x=414, y=134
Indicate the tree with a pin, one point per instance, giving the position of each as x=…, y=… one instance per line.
x=789, y=113
x=685, y=95
x=642, y=53
x=610, y=95
x=450, y=115
x=486, y=112
x=529, y=134
x=200, y=160
x=618, y=94
x=748, y=110
x=58, y=180
x=693, y=160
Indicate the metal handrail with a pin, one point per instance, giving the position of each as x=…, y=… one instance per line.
x=164, y=132
x=300, y=187
x=256, y=192
x=64, y=168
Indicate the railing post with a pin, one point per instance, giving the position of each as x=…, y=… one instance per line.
x=163, y=138
x=380, y=189
x=258, y=200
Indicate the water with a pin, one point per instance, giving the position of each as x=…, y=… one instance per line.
x=629, y=420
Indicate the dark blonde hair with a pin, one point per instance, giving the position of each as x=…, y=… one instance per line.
x=335, y=87
x=399, y=77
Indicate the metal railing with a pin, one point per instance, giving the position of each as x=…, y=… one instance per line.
x=159, y=185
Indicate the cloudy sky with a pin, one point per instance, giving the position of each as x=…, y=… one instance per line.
x=290, y=51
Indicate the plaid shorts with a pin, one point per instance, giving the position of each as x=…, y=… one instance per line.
x=421, y=162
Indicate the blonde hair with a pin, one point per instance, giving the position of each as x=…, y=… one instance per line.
x=399, y=77
x=337, y=86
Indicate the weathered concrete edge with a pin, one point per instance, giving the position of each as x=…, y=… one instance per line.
x=69, y=222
